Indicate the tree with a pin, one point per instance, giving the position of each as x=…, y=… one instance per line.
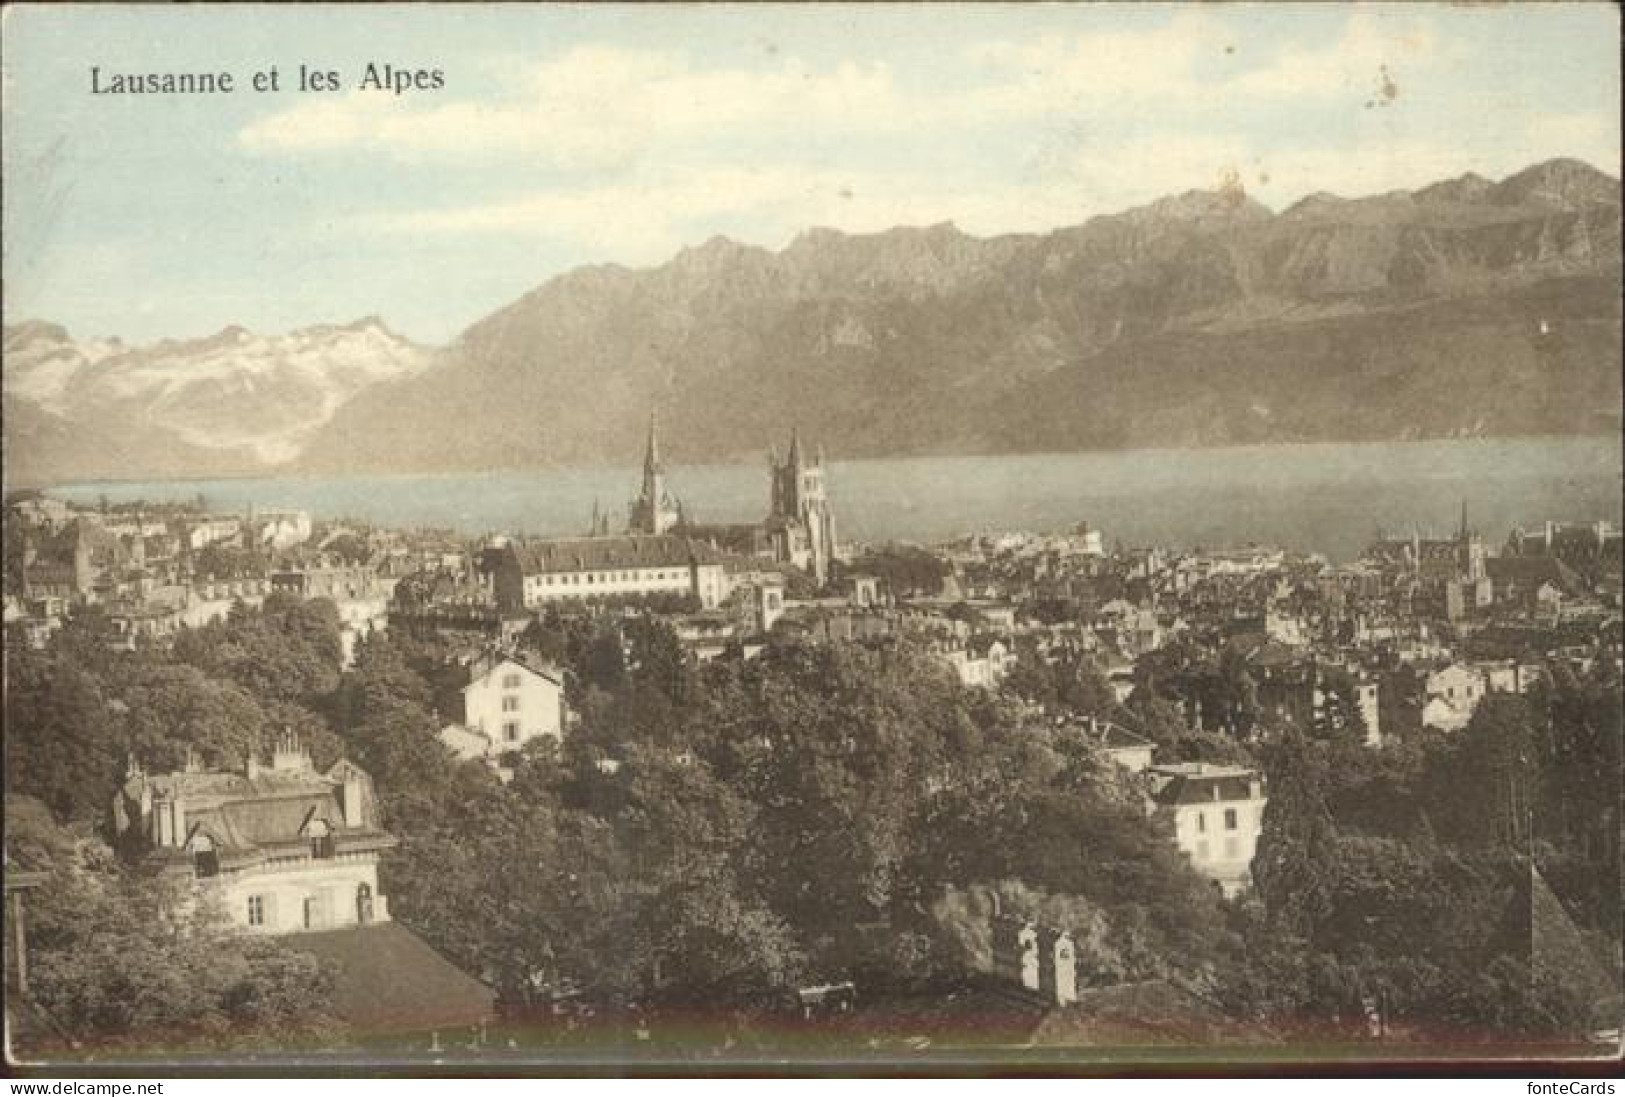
x=64, y=742
x=1083, y=687
x=125, y=960
x=176, y=710
x=1294, y=851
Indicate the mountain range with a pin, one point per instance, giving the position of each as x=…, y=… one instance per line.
x=233, y=403
x=1464, y=308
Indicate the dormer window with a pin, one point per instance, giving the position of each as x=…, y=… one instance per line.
x=205, y=858
x=321, y=840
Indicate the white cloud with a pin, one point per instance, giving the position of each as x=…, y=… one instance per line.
x=594, y=107
x=644, y=151
x=597, y=107
x=1375, y=51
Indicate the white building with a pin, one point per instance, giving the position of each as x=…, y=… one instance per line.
x=1217, y=813
x=285, y=849
x=980, y=665
x=510, y=702
x=279, y=529
x=1452, y=693
x=524, y=576
x=202, y=532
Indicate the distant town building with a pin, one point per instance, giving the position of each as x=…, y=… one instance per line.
x=535, y=573
x=801, y=524
x=654, y=511
x=1590, y=548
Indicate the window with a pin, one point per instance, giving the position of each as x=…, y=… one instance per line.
x=1229, y=818
x=510, y=681
x=205, y=859
x=1201, y=823
x=510, y=731
x=321, y=840
x=510, y=704
x=256, y=910
x=1231, y=850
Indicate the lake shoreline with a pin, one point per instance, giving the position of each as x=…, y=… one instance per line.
x=1318, y=497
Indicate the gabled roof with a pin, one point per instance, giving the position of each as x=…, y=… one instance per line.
x=249, y=819
x=1202, y=783
x=386, y=980
x=488, y=664
x=1530, y=572
x=1114, y=736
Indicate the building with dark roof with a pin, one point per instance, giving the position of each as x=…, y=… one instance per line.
x=292, y=851
x=284, y=848
x=1591, y=548
x=387, y=980
x=524, y=575
x=1217, y=813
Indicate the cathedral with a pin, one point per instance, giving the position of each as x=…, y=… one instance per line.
x=654, y=511
x=799, y=528
x=800, y=524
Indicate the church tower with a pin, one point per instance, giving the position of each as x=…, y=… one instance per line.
x=802, y=525
x=654, y=511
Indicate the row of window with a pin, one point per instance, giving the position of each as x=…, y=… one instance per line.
x=1231, y=821
x=613, y=577
x=1231, y=847
x=315, y=910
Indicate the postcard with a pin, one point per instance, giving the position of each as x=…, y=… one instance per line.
x=840, y=537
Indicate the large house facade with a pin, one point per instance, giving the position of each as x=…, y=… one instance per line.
x=510, y=702
x=1217, y=814
x=283, y=848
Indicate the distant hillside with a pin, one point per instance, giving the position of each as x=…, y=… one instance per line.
x=1467, y=307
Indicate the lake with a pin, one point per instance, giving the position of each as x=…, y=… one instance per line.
x=1325, y=498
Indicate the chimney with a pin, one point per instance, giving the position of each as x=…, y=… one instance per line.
x=290, y=755
x=1057, y=966
x=1015, y=950
x=163, y=823
x=353, y=818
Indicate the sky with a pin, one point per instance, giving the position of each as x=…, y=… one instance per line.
x=574, y=134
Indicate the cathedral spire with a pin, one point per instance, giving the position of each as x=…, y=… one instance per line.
x=651, y=455
x=795, y=448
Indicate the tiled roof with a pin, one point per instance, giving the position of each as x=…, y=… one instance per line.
x=603, y=553
x=386, y=979
x=1529, y=572
x=1195, y=782
x=250, y=819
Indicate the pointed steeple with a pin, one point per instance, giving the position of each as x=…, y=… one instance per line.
x=651, y=455
x=795, y=448
x=1462, y=534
